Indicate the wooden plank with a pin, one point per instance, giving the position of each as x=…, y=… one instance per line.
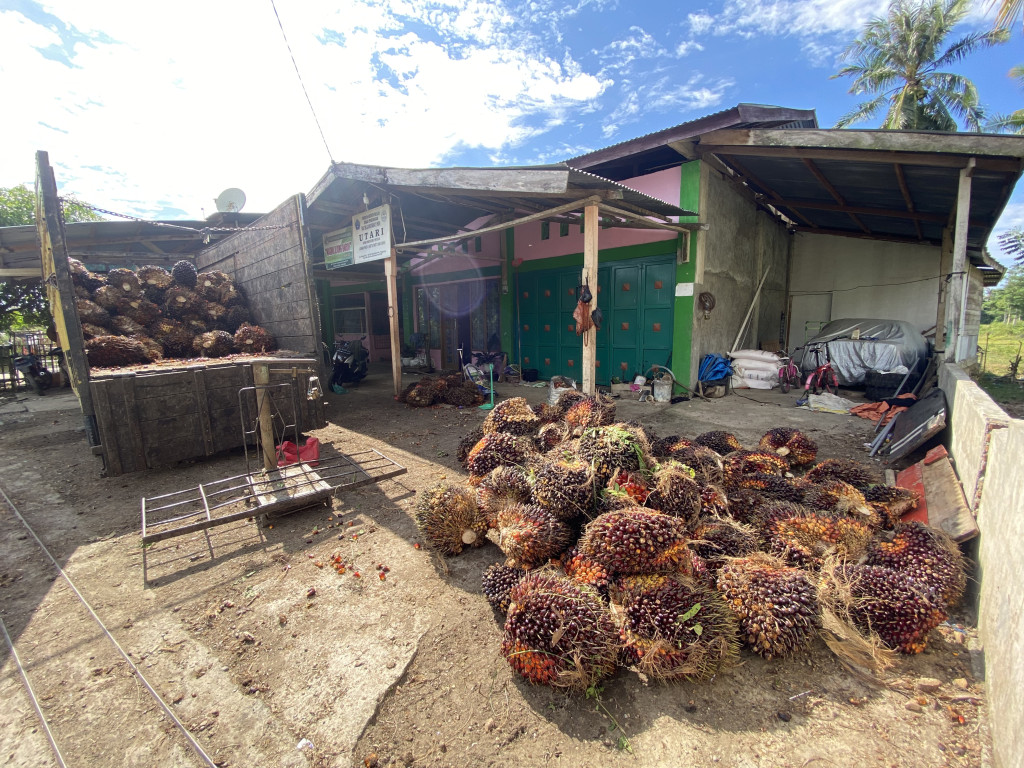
x=947, y=507
x=173, y=439
x=202, y=409
x=391, y=278
x=134, y=428
x=226, y=427
x=180, y=403
x=591, y=229
x=107, y=427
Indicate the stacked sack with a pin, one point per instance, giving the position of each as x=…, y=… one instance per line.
x=754, y=369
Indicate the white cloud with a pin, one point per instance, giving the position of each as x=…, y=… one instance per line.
x=663, y=96
x=164, y=110
x=1013, y=217
x=684, y=48
x=700, y=22
x=750, y=18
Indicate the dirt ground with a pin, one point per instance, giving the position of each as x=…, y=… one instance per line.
x=271, y=659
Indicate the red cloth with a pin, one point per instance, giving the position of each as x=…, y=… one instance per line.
x=289, y=453
x=882, y=409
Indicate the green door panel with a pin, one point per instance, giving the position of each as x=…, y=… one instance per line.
x=547, y=362
x=528, y=302
x=624, y=329
x=626, y=288
x=567, y=282
x=657, y=328
x=659, y=285
x=548, y=329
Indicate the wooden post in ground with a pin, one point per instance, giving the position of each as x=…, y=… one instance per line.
x=957, y=301
x=391, y=275
x=261, y=379
x=591, y=227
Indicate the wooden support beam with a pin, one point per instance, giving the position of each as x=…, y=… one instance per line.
x=646, y=223
x=834, y=192
x=391, y=275
x=261, y=379
x=863, y=236
x=958, y=285
x=777, y=201
x=589, y=276
x=901, y=178
x=945, y=267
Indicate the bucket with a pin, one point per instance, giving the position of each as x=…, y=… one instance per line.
x=663, y=389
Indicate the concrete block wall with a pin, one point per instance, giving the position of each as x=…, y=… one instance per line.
x=987, y=448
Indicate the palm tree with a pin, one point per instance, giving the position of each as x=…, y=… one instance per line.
x=900, y=59
x=1013, y=122
x=1009, y=10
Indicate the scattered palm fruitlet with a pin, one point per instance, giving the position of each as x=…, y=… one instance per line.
x=173, y=336
x=716, y=540
x=181, y=303
x=141, y=310
x=154, y=350
x=668, y=447
x=565, y=488
x=806, y=538
x=674, y=628
x=609, y=449
x=590, y=412
x=513, y=416
x=777, y=606
x=125, y=281
x=449, y=519
x=213, y=344
x=928, y=555
x=552, y=435
x=567, y=400
x=892, y=604
x=674, y=491
x=107, y=297
x=492, y=451
x=114, y=352
x=718, y=441
x=706, y=464
x=852, y=472
x=209, y=284
x=636, y=540
x=252, y=339
x=503, y=486
x=843, y=498
x=236, y=316
x=90, y=331
x=82, y=277
x=92, y=313
x=529, y=536
x=185, y=274
x=465, y=444
x=584, y=570
x=891, y=501
x=792, y=444
x=124, y=326
x=740, y=464
x=497, y=583
x=713, y=501
x=155, y=281
x=559, y=633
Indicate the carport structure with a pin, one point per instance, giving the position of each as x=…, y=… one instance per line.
x=438, y=212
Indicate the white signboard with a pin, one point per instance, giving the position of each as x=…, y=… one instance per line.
x=371, y=234
x=338, y=248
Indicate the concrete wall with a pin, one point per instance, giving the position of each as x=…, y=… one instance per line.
x=987, y=448
x=863, y=278
x=740, y=244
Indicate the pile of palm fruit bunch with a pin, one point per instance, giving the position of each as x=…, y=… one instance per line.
x=136, y=317
x=670, y=555
x=451, y=388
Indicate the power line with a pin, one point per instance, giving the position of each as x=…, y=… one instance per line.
x=303, y=84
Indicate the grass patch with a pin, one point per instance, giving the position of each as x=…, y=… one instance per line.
x=1001, y=344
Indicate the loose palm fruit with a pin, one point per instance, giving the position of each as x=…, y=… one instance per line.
x=449, y=519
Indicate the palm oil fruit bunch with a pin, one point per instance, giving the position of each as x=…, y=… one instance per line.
x=706, y=464
x=590, y=412
x=253, y=340
x=552, y=435
x=449, y=519
x=466, y=444
x=740, y=464
x=142, y=311
x=713, y=501
x=852, y=472
x=497, y=583
x=529, y=536
x=584, y=570
x=154, y=282
x=502, y=487
x=668, y=447
x=842, y=498
x=625, y=489
x=559, y=632
x=185, y=273
x=892, y=604
x=213, y=344
x=891, y=502
x=926, y=554
x=609, y=449
x=513, y=416
x=493, y=450
x=674, y=491
x=773, y=487
x=114, y=351
x=716, y=540
x=125, y=281
x=806, y=538
x=81, y=277
x=565, y=487
x=719, y=441
x=173, y=336
x=674, y=628
x=776, y=605
x=565, y=401
x=636, y=540
x=791, y=444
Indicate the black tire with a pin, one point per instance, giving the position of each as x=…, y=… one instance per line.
x=784, y=383
x=45, y=379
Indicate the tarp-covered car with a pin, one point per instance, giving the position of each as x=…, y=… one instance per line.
x=859, y=345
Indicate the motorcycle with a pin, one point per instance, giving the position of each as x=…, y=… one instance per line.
x=350, y=362
x=35, y=374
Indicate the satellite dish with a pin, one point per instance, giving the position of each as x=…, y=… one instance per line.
x=230, y=200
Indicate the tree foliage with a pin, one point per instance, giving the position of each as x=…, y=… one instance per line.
x=1003, y=304
x=23, y=302
x=900, y=61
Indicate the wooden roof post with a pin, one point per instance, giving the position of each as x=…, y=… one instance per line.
x=391, y=275
x=958, y=285
x=261, y=379
x=591, y=227
x=945, y=267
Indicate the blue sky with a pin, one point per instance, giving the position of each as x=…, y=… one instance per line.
x=154, y=113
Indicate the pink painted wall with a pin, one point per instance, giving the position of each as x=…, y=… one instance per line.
x=490, y=248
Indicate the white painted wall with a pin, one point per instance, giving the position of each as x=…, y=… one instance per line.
x=865, y=278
